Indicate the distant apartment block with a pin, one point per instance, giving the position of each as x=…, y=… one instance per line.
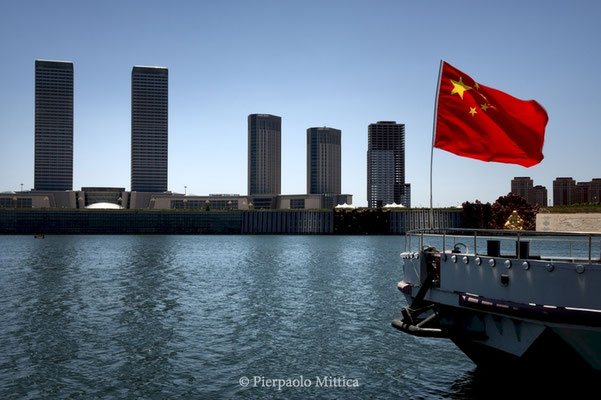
x=264, y=154
x=524, y=186
x=149, y=128
x=588, y=192
x=563, y=191
x=539, y=196
x=386, y=165
x=581, y=192
x=53, y=159
x=566, y=191
x=323, y=161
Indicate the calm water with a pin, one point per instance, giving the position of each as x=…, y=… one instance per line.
x=192, y=316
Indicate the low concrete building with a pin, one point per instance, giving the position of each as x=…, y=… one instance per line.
x=39, y=199
x=299, y=202
x=212, y=202
x=243, y=202
x=89, y=196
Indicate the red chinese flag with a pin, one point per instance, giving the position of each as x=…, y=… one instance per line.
x=479, y=122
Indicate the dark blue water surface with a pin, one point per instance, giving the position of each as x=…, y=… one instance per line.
x=193, y=316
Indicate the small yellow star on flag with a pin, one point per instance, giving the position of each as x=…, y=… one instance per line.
x=473, y=111
x=459, y=87
x=484, y=107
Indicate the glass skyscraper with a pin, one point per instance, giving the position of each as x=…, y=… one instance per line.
x=149, y=128
x=323, y=161
x=53, y=164
x=386, y=165
x=264, y=154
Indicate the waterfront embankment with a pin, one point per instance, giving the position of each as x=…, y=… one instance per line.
x=321, y=222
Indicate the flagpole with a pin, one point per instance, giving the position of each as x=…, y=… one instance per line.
x=431, y=214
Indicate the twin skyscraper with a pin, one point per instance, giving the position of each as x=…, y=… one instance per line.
x=54, y=127
x=264, y=157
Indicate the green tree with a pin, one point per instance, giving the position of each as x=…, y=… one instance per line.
x=477, y=215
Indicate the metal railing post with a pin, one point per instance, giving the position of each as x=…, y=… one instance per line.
x=590, y=248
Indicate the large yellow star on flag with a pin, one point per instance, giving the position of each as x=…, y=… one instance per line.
x=459, y=87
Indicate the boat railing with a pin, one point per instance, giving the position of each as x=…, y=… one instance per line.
x=557, y=246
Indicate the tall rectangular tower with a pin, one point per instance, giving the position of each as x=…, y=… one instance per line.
x=582, y=193
x=563, y=191
x=523, y=186
x=539, y=195
x=149, y=128
x=386, y=164
x=264, y=154
x=323, y=161
x=53, y=165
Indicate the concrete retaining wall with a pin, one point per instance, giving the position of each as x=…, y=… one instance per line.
x=568, y=222
x=376, y=222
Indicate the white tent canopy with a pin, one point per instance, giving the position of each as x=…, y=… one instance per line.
x=105, y=206
x=345, y=206
x=394, y=205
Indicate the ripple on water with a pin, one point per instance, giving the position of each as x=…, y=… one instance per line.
x=188, y=316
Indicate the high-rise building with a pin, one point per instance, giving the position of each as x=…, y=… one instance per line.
x=522, y=186
x=587, y=192
x=539, y=194
x=323, y=161
x=582, y=192
x=264, y=154
x=53, y=168
x=386, y=164
x=149, y=128
x=563, y=191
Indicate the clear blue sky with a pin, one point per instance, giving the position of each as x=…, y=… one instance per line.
x=344, y=64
